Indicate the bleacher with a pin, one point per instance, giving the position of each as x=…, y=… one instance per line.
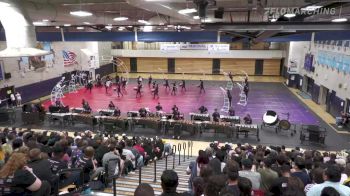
x=127, y=185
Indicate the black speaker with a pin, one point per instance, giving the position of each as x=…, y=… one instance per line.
x=202, y=7
x=219, y=13
x=7, y=76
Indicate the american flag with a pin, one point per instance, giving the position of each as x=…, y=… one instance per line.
x=69, y=58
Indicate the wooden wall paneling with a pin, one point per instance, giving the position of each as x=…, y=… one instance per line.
x=272, y=67
x=152, y=65
x=236, y=65
x=126, y=61
x=190, y=65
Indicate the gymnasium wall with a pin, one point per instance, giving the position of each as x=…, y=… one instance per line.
x=269, y=67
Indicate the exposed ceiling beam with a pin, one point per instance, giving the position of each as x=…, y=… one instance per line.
x=246, y=35
x=264, y=35
x=278, y=26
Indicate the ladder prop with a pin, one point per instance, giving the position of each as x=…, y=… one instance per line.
x=226, y=105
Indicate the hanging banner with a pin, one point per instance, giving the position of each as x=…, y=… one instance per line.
x=194, y=47
x=170, y=47
x=218, y=48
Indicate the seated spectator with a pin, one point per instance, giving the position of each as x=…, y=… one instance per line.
x=279, y=185
x=144, y=189
x=247, y=172
x=332, y=177
x=329, y=191
x=343, y=119
x=21, y=179
x=169, y=183
x=245, y=186
x=198, y=186
x=41, y=167
x=88, y=163
x=214, y=185
x=299, y=166
x=232, y=181
x=267, y=174
x=317, y=178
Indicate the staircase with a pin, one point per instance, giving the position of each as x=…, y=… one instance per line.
x=127, y=185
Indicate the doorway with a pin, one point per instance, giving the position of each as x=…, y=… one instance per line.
x=347, y=106
x=323, y=96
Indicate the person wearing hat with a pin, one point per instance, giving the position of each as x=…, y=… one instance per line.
x=247, y=172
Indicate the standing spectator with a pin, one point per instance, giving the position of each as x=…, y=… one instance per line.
x=279, y=185
x=195, y=167
x=144, y=189
x=332, y=177
x=247, y=172
x=317, y=178
x=19, y=99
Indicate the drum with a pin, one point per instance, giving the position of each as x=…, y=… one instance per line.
x=270, y=118
x=284, y=124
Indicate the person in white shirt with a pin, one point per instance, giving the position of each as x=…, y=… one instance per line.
x=13, y=99
x=19, y=99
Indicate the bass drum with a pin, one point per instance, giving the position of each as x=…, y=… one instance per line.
x=284, y=124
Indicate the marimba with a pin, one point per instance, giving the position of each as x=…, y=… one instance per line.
x=198, y=116
x=243, y=129
x=105, y=112
x=63, y=118
x=231, y=119
x=84, y=119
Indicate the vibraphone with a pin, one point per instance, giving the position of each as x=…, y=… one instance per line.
x=111, y=124
x=198, y=116
x=84, y=119
x=77, y=110
x=231, y=119
x=133, y=113
x=63, y=118
x=243, y=129
x=105, y=112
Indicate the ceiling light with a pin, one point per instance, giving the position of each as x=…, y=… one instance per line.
x=45, y=20
x=3, y=4
x=87, y=23
x=38, y=23
x=80, y=28
x=109, y=27
x=170, y=26
x=289, y=15
x=186, y=27
x=208, y=20
x=67, y=25
x=143, y=22
x=340, y=20
x=121, y=18
x=196, y=17
x=130, y=26
x=187, y=11
x=81, y=13
x=311, y=8
x=57, y=27
x=166, y=28
x=161, y=23
x=147, y=28
x=273, y=20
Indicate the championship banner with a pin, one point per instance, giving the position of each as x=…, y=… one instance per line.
x=194, y=47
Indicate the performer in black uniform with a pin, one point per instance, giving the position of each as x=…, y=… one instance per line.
x=117, y=79
x=166, y=84
x=99, y=82
x=173, y=91
x=154, y=84
x=86, y=107
x=229, y=96
x=159, y=107
x=175, y=108
x=111, y=105
x=89, y=85
x=156, y=92
x=183, y=85
x=231, y=111
x=176, y=115
x=116, y=112
x=143, y=112
x=201, y=87
x=124, y=81
x=203, y=109
x=149, y=80
x=246, y=90
x=138, y=90
x=139, y=80
x=248, y=120
x=119, y=89
x=216, y=116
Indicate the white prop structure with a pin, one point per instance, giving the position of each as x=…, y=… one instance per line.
x=229, y=84
x=72, y=84
x=119, y=64
x=226, y=105
x=242, y=96
x=57, y=92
